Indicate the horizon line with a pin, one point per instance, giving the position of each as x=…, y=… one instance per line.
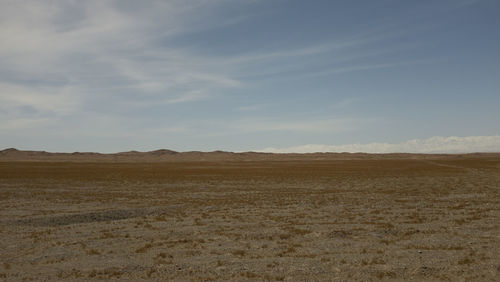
x=12, y=149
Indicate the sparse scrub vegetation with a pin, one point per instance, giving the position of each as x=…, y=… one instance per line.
x=93, y=252
x=144, y=248
x=396, y=219
x=239, y=253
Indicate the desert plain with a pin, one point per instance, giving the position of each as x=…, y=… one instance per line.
x=253, y=217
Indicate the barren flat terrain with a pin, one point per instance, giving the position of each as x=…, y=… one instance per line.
x=390, y=218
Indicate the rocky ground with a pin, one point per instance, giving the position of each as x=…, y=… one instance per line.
x=388, y=219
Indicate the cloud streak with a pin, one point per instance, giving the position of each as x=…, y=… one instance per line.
x=438, y=144
x=68, y=57
x=85, y=50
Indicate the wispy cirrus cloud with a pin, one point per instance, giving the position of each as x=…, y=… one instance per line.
x=272, y=125
x=40, y=98
x=84, y=50
x=14, y=124
x=65, y=57
x=317, y=125
x=438, y=144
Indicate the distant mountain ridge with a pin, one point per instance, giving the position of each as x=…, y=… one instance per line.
x=164, y=155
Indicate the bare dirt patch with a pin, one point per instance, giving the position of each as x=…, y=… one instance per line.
x=367, y=219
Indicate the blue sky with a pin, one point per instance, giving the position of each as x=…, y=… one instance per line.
x=277, y=75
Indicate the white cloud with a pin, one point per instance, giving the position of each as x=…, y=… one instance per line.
x=60, y=54
x=344, y=103
x=273, y=125
x=452, y=144
x=42, y=99
x=22, y=123
x=76, y=52
x=304, y=126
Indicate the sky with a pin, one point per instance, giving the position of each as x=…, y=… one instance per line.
x=250, y=75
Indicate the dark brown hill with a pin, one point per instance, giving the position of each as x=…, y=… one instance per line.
x=164, y=155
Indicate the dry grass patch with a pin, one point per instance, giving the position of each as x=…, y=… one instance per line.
x=364, y=219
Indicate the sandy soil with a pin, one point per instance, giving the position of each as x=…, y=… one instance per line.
x=389, y=219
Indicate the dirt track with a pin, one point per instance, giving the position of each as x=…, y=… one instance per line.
x=399, y=219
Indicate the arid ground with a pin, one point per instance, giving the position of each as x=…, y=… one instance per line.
x=404, y=218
